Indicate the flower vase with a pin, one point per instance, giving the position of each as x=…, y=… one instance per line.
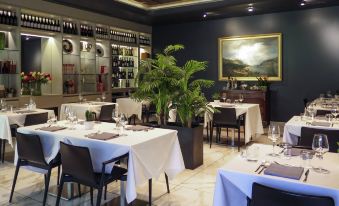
x=25, y=89
x=36, y=89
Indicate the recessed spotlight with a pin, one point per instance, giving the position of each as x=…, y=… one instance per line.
x=302, y=3
x=250, y=8
x=205, y=15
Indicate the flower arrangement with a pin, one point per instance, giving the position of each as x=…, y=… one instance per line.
x=39, y=77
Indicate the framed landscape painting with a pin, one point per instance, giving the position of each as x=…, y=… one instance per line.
x=248, y=57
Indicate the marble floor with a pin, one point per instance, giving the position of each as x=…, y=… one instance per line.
x=191, y=187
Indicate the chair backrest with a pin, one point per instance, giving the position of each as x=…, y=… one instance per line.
x=307, y=134
x=33, y=119
x=266, y=196
x=106, y=113
x=29, y=148
x=225, y=116
x=322, y=112
x=76, y=162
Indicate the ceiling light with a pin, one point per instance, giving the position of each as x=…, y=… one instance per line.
x=34, y=35
x=302, y=3
x=250, y=8
x=205, y=15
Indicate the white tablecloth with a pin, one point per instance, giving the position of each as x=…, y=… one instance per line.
x=130, y=107
x=292, y=129
x=253, y=122
x=8, y=118
x=234, y=180
x=146, y=158
x=80, y=108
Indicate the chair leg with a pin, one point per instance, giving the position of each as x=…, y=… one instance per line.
x=167, y=183
x=99, y=197
x=58, y=176
x=14, y=180
x=150, y=192
x=60, y=187
x=105, y=192
x=48, y=176
x=3, y=150
x=91, y=193
x=239, y=139
x=79, y=190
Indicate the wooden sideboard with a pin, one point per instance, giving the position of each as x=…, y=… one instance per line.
x=253, y=96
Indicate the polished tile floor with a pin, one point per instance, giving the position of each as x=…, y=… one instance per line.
x=191, y=187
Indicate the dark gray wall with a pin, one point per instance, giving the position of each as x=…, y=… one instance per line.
x=310, y=51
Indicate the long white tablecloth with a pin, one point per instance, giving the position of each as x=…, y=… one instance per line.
x=129, y=107
x=8, y=118
x=253, y=122
x=80, y=108
x=234, y=180
x=150, y=153
x=292, y=129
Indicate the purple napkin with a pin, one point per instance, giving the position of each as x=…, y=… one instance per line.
x=284, y=171
x=139, y=128
x=103, y=136
x=51, y=129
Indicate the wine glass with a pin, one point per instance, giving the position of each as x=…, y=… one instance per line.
x=72, y=119
x=334, y=112
x=103, y=96
x=241, y=98
x=320, y=146
x=311, y=111
x=274, y=135
x=223, y=97
x=66, y=112
x=116, y=118
x=123, y=121
x=80, y=97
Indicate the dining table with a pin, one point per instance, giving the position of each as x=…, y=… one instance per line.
x=234, y=180
x=80, y=108
x=292, y=128
x=16, y=117
x=146, y=159
x=253, y=120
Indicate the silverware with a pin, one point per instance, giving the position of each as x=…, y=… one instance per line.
x=306, y=175
x=283, y=150
x=259, y=167
x=262, y=169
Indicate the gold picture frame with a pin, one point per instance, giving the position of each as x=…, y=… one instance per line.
x=248, y=57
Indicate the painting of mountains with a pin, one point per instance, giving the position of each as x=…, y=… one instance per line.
x=246, y=58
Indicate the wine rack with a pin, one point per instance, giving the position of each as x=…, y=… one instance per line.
x=144, y=40
x=102, y=33
x=8, y=17
x=40, y=22
x=70, y=28
x=86, y=30
x=123, y=37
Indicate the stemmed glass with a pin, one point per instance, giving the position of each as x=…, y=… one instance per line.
x=123, y=121
x=73, y=119
x=241, y=98
x=335, y=112
x=274, y=135
x=311, y=111
x=320, y=146
x=224, y=96
x=116, y=118
x=80, y=97
x=66, y=112
x=103, y=96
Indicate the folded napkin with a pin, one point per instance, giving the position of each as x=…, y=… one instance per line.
x=321, y=124
x=284, y=171
x=24, y=111
x=103, y=136
x=139, y=128
x=227, y=105
x=297, y=151
x=321, y=117
x=52, y=128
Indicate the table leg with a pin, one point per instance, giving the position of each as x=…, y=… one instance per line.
x=122, y=193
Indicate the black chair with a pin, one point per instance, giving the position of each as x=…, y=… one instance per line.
x=30, y=153
x=307, y=135
x=322, y=112
x=226, y=118
x=106, y=113
x=33, y=119
x=267, y=196
x=77, y=167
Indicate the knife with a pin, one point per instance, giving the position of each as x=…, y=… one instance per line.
x=306, y=175
x=259, y=167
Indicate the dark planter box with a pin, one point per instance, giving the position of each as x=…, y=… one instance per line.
x=191, y=144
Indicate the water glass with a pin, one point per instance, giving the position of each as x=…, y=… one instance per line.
x=287, y=150
x=306, y=156
x=329, y=117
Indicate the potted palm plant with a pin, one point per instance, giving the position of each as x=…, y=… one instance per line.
x=164, y=83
